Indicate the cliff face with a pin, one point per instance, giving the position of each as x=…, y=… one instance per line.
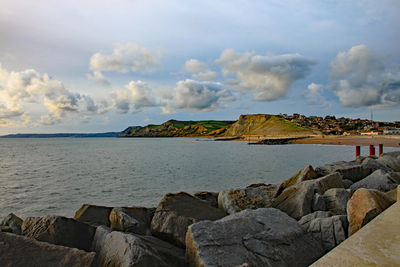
x=265, y=125
x=174, y=128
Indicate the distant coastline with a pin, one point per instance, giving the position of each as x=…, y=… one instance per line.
x=59, y=135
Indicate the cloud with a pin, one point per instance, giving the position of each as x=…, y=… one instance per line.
x=137, y=96
x=267, y=77
x=198, y=96
x=360, y=79
x=126, y=57
x=314, y=96
x=31, y=87
x=98, y=78
x=200, y=71
x=10, y=112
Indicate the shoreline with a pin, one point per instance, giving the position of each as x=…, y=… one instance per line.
x=352, y=141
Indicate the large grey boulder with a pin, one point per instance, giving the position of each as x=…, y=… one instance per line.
x=336, y=200
x=379, y=180
x=262, y=237
x=125, y=249
x=20, y=251
x=351, y=170
x=93, y=215
x=132, y=219
x=307, y=173
x=176, y=212
x=251, y=197
x=306, y=219
x=331, y=231
x=13, y=222
x=373, y=164
x=298, y=199
x=210, y=197
x=59, y=230
x=391, y=160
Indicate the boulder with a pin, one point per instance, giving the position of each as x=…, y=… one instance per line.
x=93, y=215
x=351, y=170
x=262, y=237
x=331, y=231
x=393, y=194
x=132, y=219
x=251, y=197
x=298, y=199
x=307, y=173
x=13, y=222
x=379, y=180
x=347, y=183
x=374, y=164
x=125, y=249
x=364, y=205
x=318, y=203
x=176, y=212
x=16, y=250
x=210, y=197
x=306, y=219
x=59, y=230
x=391, y=160
x=336, y=200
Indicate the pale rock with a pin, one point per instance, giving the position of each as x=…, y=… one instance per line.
x=352, y=170
x=336, y=200
x=262, y=237
x=379, y=180
x=176, y=212
x=126, y=249
x=306, y=219
x=307, y=173
x=318, y=203
x=391, y=160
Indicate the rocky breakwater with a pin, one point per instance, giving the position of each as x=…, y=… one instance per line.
x=289, y=224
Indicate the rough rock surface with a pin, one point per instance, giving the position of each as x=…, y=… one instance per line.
x=262, y=237
x=336, y=200
x=13, y=222
x=251, y=197
x=331, y=231
x=391, y=160
x=59, y=230
x=132, y=219
x=16, y=250
x=363, y=206
x=392, y=194
x=297, y=200
x=176, y=212
x=210, y=197
x=374, y=164
x=307, y=173
x=123, y=249
x=352, y=170
x=347, y=183
x=318, y=203
x=306, y=219
x=379, y=180
x=93, y=215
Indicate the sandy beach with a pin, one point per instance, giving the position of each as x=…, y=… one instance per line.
x=392, y=141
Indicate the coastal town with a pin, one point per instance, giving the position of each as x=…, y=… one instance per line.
x=344, y=126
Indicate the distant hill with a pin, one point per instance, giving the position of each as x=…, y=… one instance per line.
x=55, y=135
x=175, y=128
x=265, y=125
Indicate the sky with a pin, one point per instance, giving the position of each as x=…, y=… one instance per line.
x=97, y=66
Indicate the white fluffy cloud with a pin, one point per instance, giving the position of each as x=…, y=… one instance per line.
x=198, y=96
x=126, y=57
x=200, y=71
x=359, y=78
x=314, y=95
x=31, y=87
x=98, y=78
x=267, y=77
x=135, y=97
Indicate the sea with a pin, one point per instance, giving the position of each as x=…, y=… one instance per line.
x=41, y=176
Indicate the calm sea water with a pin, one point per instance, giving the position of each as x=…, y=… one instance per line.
x=56, y=176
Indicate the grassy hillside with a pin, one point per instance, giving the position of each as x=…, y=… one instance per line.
x=265, y=125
